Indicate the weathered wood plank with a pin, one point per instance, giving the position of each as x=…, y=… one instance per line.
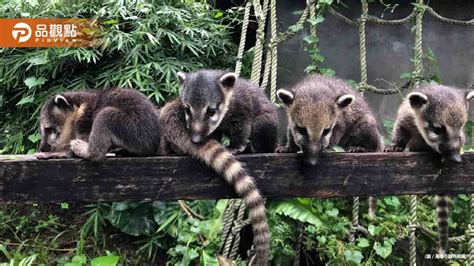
x=166, y=178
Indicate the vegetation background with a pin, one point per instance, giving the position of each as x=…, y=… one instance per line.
x=144, y=44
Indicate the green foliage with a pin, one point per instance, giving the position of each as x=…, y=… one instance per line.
x=143, y=45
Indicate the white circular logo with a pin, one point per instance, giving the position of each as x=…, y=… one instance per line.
x=21, y=32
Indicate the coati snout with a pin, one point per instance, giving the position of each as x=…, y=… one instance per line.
x=57, y=119
x=311, y=120
x=205, y=101
x=440, y=116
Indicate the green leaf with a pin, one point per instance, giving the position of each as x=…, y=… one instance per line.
x=34, y=138
x=310, y=39
x=26, y=99
x=362, y=242
x=383, y=250
x=374, y=230
x=111, y=22
x=354, y=256
x=392, y=201
x=218, y=14
x=39, y=60
x=406, y=75
x=79, y=259
x=31, y=82
x=333, y=212
x=105, y=261
x=295, y=28
x=315, y=21
x=298, y=209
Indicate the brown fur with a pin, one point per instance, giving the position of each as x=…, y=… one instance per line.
x=432, y=118
x=218, y=103
x=325, y=111
x=89, y=124
x=175, y=137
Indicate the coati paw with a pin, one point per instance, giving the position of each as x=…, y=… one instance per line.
x=356, y=149
x=80, y=148
x=237, y=150
x=44, y=155
x=393, y=149
x=53, y=155
x=285, y=149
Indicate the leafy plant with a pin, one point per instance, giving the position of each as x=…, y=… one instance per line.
x=142, y=45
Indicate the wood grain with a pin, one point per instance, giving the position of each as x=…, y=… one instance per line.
x=278, y=175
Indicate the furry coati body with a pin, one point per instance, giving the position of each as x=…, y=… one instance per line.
x=218, y=103
x=432, y=118
x=214, y=103
x=175, y=136
x=325, y=111
x=91, y=123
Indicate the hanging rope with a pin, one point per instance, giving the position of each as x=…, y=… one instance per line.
x=243, y=38
x=261, y=16
x=448, y=20
x=355, y=219
x=470, y=233
x=363, y=85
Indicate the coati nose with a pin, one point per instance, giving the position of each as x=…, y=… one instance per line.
x=195, y=138
x=455, y=158
x=311, y=161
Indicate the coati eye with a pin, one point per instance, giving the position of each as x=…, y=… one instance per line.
x=302, y=130
x=326, y=131
x=437, y=130
x=50, y=130
x=211, y=111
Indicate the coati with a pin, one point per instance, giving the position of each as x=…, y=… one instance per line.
x=208, y=103
x=325, y=111
x=432, y=118
x=88, y=124
x=217, y=103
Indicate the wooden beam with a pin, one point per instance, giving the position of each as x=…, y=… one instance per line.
x=278, y=175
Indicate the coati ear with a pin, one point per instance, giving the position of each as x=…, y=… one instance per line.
x=61, y=102
x=469, y=95
x=286, y=96
x=228, y=80
x=417, y=99
x=345, y=100
x=181, y=77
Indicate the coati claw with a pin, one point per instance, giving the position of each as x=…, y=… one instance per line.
x=285, y=149
x=237, y=150
x=53, y=155
x=356, y=149
x=393, y=149
x=79, y=147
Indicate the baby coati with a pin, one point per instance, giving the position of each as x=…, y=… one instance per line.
x=91, y=123
x=325, y=111
x=207, y=105
x=432, y=118
x=217, y=103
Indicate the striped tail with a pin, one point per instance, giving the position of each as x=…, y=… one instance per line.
x=442, y=210
x=222, y=161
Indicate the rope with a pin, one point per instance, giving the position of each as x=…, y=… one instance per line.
x=418, y=59
x=243, y=37
x=342, y=18
x=470, y=233
x=261, y=15
x=227, y=222
x=299, y=244
x=355, y=219
x=413, y=222
x=363, y=85
x=448, y=20
x=236, y=228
